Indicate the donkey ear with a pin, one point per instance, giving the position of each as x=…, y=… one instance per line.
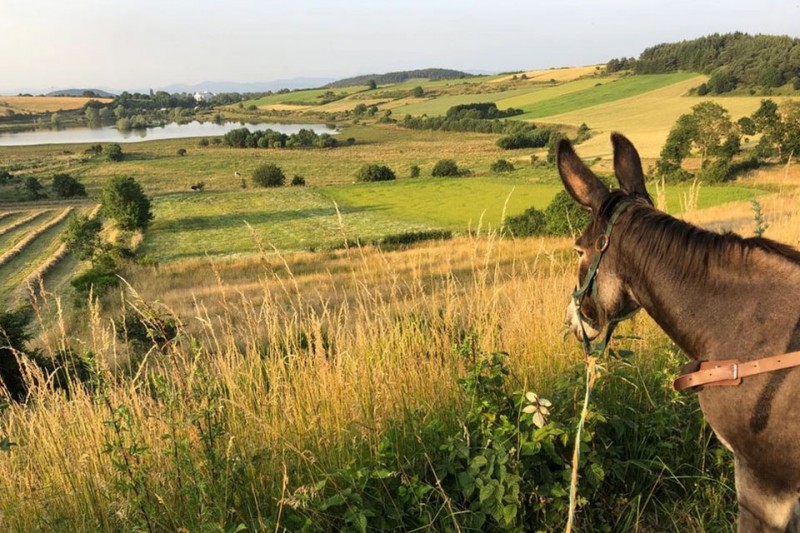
x=627, y=166
x=579, y=181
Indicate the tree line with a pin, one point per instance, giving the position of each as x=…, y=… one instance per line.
x=732, y=60
x=709, y=132
x=305, y=138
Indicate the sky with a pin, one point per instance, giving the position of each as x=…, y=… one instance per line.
x=130, y=44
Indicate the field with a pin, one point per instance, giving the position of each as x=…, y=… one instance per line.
x=43, y=104
x=251, y=373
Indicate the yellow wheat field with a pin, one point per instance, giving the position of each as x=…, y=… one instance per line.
x=44, y=104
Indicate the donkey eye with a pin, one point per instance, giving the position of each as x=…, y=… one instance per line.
x=578, y=250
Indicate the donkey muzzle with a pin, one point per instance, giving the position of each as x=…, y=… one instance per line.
x=573, y=319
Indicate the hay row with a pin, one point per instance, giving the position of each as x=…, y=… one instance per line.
x=24, y=243
x=20, y=222
x=34, y=282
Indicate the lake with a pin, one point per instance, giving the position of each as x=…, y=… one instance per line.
x=110, y=134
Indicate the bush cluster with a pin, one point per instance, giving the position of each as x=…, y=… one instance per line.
x=305, y=138
x=65, y=186
x=372, y=172
x=502, y=165
x=269, y=175
x=447, y=167
x=561, y=217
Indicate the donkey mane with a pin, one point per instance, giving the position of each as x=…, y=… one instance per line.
x=659, y=238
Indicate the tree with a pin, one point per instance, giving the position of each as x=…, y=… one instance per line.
x=712, y=128
x=92, y=115
x=418, y=92
x=676, y=149
x=82, y=236
x=414, y=171
x=371, y=85
x=269, y=175
x=113, y=152
x=65, y=186
x=375, y=173
x=124, y=201
x=33, y=187
x=445, y=167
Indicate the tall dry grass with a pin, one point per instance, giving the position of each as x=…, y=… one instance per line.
x=284, y=369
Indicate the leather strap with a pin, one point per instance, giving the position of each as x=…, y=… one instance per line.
x=729, y=372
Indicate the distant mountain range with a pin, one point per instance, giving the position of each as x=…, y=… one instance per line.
x=249, y=87
x=82, y=92
x=257, y=87
x=401, y=76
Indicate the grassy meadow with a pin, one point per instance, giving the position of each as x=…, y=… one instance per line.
x=249, y=374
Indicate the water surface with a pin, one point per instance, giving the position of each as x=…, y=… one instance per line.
x=110, y=134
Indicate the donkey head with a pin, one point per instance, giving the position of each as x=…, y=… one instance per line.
x=605, y=296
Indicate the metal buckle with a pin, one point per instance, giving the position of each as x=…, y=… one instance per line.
x=735, y=368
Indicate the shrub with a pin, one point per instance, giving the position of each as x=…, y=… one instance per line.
x=181, y=152
x=298, y=181
x=95, y=282
x=6, y=178
x=374, y=173
x=13, y=337
x=82, y=236
x=269, y=175
x=531, y=139
x=552, y=144
x=202, y=142
x=33, y=188
x=410, y=237
x=146, y=328
x=445, y=167
x=502, y=165
x=527, y=224
x=113, y=152
x=65, y=186
x=124, y=201
x=564, y=216
x=414, y=171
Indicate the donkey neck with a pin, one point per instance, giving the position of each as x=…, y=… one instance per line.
x=716, y=296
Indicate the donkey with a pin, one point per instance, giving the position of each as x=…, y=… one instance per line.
x=718, y=297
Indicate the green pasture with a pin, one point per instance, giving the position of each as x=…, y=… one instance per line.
x=310, y=96
x=290, y=219
x=454, y=203
x=293, y=219
x=440, y=105
x=601, y=93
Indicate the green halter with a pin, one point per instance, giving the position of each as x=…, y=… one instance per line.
x=590, y=285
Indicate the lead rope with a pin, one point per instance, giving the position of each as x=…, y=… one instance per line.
x=592, y=353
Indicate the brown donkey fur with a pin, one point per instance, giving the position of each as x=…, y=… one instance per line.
x=717, y=297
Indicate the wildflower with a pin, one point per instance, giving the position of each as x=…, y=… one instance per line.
x=538, y=407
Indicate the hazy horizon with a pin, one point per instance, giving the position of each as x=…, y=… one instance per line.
x=125, y=45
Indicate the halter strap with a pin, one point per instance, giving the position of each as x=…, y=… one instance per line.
x=601, y=245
